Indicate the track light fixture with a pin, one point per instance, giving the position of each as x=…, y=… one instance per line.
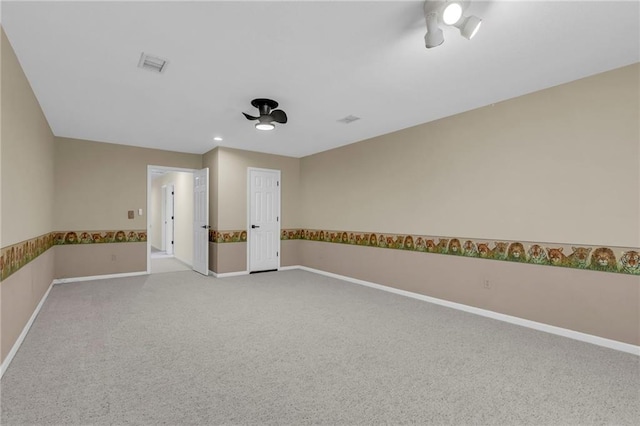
x=448, y=12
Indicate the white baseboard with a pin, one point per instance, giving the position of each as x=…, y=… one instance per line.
x=25, y=330
x=98, y=277
x=564, y=332
x=229, y=274
x=235, y=274
x=288, y=268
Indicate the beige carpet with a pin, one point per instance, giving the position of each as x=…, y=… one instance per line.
x=295, y=348
x=161, y=265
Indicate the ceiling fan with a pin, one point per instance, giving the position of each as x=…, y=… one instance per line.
x=268, y=115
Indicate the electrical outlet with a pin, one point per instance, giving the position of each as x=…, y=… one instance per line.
x=486, y=284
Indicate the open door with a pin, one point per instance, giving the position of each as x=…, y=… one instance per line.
x=201, y=221
x=168, y=219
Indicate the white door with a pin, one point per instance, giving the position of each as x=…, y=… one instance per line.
x=264, y=220
x=201, y=221
x=168, y=219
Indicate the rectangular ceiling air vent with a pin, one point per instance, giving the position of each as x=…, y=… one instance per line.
x=348, y=119
x=152, y=63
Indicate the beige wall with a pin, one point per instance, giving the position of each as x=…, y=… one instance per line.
x=26, y=194
x=597, y=303
x=27, y=157
x=232, y=186
x=559, y=165
x=100, y=259
x=155, y=213
x=210, y=160
x=97, y=183
x=228, y=199
x=20, y=294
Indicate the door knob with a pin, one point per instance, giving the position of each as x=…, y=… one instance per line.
x=206, y=226
x=255, y=226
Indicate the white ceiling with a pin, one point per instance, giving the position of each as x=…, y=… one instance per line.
x=321, y=60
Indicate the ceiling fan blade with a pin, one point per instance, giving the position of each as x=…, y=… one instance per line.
x=279, y=116
x=250, y=117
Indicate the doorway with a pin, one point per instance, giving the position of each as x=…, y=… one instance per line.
x=171, y=219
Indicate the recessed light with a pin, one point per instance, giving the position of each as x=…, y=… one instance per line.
x=217, y=138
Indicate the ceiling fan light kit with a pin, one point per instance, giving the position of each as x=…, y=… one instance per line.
x=265, y=126
x=268, y=114
x=451, y=13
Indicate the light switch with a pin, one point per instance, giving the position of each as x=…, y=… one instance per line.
x=130, y=214
x=139, y=212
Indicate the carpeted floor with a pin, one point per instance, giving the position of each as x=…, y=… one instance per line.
x=294, y=348
x=160, y=265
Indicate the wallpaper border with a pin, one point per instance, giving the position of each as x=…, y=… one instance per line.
x=624, y=260
x=586, y=257
x=16, y=256
x=99, y=237
x=220, y=237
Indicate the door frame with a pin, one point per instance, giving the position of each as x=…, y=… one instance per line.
x=279, y=172
x=150, y=168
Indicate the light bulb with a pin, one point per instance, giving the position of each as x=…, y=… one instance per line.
x=265, y=126
x=451, y=13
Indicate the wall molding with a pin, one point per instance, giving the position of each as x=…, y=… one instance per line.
x=25, y=330
x=98, y=277
x=551, y=329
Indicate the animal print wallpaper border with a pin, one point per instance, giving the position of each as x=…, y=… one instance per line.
x=220, y=237
x=16, y=256
x=594, y=258
x=98, y=237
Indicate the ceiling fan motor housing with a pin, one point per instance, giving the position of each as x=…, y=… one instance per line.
x=268, y=114
x=264, y=105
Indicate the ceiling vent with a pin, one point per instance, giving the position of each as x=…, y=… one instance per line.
x=152, y=63
x=348, y=119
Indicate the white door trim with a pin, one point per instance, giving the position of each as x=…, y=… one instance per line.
x=279, y=230
x=147, y=216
